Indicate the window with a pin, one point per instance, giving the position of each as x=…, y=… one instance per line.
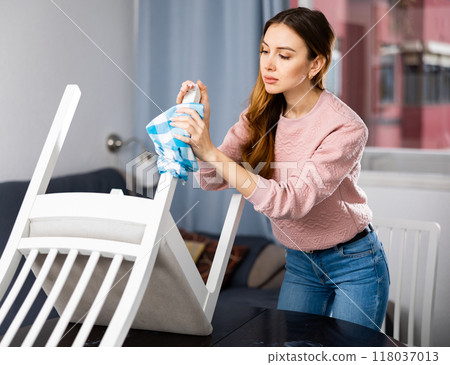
x=387, y=79
x=395, y=67
x=444, y=85
x=431, y=85
x=412, y=88
x=395, y=73
x=333, y=77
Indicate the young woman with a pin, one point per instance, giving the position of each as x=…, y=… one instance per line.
x=301, y=147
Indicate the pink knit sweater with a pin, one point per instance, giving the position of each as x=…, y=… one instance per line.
x=313, y=200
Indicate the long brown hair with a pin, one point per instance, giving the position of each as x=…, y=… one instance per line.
x=264, y=109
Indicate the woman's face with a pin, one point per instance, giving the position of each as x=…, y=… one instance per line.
x=284, y=63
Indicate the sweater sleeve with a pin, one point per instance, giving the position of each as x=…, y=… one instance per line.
x=231, y=146
x=314, y=179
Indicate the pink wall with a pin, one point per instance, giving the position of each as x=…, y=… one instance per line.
x=412, y=126
x=436, y=20
x=389, y=136
x=435, y=127
x=426, y=127
x=336, y=13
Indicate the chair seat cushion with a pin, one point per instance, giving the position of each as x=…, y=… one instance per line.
x=169, y=304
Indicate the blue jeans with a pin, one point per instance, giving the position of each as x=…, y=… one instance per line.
x=349, y=283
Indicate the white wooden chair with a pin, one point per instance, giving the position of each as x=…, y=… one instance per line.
x=106, y=259
x=411, y=248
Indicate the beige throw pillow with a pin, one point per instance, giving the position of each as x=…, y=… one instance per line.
x=268, y=270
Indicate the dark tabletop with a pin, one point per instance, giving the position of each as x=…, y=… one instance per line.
x=244, y=326
x=284, y=328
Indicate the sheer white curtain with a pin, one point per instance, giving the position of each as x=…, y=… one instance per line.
x=216, y=41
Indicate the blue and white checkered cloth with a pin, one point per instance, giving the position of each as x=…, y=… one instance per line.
x=174, y=155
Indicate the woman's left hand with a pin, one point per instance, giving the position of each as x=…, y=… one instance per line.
x=198, y=129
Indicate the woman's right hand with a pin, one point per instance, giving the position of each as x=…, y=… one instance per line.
x=197, y=127
x=185, y=87
x=204, y=99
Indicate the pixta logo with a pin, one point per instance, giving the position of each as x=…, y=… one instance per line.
x=142, y=174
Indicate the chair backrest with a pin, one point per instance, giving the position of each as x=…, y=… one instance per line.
x=106, y=259
x=411, y=249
